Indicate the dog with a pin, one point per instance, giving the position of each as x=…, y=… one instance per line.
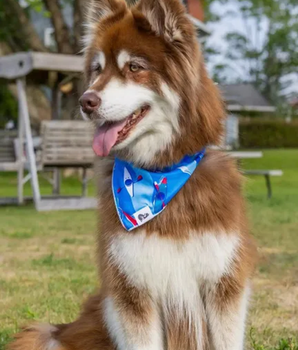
x=180, y=281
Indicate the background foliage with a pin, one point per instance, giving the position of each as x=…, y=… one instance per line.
x=259, y=133
x=9, y=109
x=264, y=51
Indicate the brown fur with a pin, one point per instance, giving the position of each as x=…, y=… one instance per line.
x=177, y=329
x=211, y=201
x=34, y=337
x=88, y=332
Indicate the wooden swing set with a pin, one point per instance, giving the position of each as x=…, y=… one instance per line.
x=64, y=143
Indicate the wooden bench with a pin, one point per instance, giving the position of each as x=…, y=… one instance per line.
x=12, y=161
x=67, y=144
x=267, y=174
x=63, y=144
x=8, y=159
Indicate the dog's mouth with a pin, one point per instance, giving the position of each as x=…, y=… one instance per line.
x=110, y=134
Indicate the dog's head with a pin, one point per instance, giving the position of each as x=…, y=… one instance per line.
x=148, y=91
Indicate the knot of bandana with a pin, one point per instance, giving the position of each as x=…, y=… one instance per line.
x=140, y=194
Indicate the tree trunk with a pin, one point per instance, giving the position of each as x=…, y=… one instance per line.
x=62, y=34
x=78, y=19
x=25, y=30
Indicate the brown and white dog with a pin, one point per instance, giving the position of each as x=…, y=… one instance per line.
x=181, y=281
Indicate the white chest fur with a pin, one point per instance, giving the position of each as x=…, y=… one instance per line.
x=165, y=266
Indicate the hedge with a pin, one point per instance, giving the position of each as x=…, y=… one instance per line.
x=268, y=134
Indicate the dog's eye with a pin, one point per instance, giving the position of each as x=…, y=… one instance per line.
x=134, y=67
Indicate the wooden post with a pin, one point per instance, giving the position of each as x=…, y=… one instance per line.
x=84, y=182
x=56, y=181
x=56, y=95
x=268, y=184
x=56, y=102
x=29, y=144
x=20, y=156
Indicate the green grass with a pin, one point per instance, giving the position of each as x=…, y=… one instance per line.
x=274, y=224
x=69, y=186
x=47, y=260
x=46, y=266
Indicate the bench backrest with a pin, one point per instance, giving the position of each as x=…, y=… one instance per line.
x=7, y=149
x=67, y=143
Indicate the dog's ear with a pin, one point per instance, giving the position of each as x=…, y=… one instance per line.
x=166, y=17
x=102, y=8
x=97, y=10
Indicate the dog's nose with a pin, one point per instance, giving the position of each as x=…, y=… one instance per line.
x=89, y=102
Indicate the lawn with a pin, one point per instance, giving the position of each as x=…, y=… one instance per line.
x=47, y=263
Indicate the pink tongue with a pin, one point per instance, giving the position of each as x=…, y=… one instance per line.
x=106, y=137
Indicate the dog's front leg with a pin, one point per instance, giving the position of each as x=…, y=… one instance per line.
x=133, y=320
x=226, y=306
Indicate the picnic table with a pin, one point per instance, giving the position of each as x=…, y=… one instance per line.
x=265, y=172
x=245, y=154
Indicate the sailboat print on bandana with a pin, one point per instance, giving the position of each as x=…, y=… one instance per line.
x=140, y=194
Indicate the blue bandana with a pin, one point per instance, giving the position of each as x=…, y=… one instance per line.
x=140, y=195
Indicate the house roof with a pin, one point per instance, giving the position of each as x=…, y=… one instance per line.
x=245, y=97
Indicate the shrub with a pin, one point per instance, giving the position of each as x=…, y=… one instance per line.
x=258, y=133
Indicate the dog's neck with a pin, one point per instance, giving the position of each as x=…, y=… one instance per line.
x=172, y=154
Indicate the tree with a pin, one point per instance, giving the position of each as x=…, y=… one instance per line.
x=13, y=17
x=264, y=52
x=17, y=33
